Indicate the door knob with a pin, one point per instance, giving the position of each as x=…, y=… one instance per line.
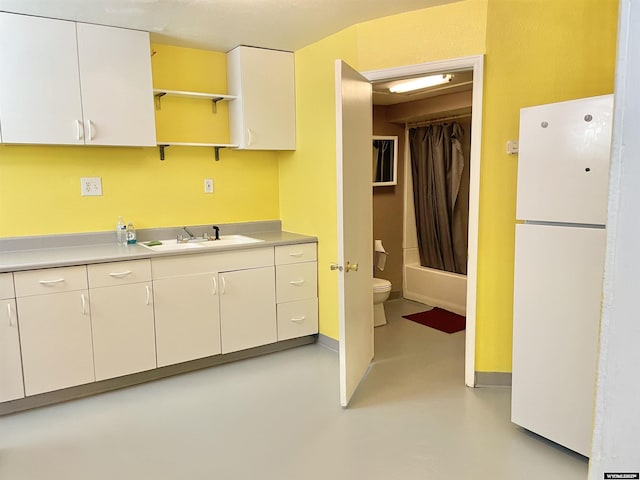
x=351, y=267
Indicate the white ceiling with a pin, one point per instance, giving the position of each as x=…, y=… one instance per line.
x=221, y=25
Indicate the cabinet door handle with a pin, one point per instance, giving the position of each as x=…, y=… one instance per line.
x=148, y=294
x=84, y=304
x=250, y=137
x=79, y=130
x=91, y=132
x=296, y=283
x=120, y=274
x=9, y=313
x=224, y=285
x=51, y=282
x=296, y=254
x=215, y=285
x=298, y=319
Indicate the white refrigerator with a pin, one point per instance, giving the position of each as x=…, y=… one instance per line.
x=563, y=171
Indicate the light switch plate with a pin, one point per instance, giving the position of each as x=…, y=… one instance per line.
x=208, y=185
x=91, y=186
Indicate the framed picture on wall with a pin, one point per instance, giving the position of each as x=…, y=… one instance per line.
x=385, y=160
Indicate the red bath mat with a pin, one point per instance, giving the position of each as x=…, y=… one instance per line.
x=439, y=319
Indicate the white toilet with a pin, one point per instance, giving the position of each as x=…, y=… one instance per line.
x=381, y=291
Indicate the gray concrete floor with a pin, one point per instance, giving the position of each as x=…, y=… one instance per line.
x=278, y=417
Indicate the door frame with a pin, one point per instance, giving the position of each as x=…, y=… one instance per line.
x=475, y=63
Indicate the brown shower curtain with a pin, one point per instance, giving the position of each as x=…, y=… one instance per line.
x=441, y=195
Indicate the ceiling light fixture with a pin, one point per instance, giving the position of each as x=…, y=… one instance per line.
x=420, y=83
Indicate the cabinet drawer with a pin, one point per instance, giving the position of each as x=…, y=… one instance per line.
x=118, y=273
x=50, y=280
x=6, y=286
x=303, y=252
x=296, y=282
x=179, y=265
x=297, y=319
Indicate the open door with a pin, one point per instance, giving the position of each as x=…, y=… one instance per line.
x=355, y=227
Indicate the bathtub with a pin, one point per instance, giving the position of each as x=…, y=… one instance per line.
x=433, y=287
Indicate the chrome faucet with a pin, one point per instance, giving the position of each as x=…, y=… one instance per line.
x=183, y=239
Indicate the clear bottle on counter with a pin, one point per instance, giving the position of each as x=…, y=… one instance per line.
x=121, y=232
x=131, y=234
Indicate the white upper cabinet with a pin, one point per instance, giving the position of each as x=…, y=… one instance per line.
x=117, y=90
x=39, y=85
x=263, y=117
x=66, y=83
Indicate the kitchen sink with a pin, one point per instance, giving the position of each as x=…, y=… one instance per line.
x=200, y=244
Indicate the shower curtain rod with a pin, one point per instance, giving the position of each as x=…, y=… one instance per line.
x=439, y=120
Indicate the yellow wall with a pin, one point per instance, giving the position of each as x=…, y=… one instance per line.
x=308, y=175
x=538, y=51
x=40, y=185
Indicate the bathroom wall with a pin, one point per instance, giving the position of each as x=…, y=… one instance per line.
x=388, y=204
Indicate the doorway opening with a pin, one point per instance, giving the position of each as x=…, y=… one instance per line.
x=462, y=98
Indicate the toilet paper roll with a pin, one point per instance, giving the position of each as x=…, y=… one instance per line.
x=380, y=254
x=378, y=246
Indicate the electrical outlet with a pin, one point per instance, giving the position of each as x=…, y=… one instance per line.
x=208, y=185
x=91, y=186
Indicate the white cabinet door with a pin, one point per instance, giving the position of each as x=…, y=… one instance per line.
x=39, y=82
x=123, y=330
x=11, y=386
x=55, y=336
x=264, y=115
x=247, y=308
x=187, y=321
x=117, y=92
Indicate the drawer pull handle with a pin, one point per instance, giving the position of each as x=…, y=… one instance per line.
x=297, y=283
x=120, y=274
x=224, y=285
x=148, y=294
x=9, y=313
x=84, y=304
x=51, y=282
x=215, y=285
x=298, y=319
x=296, y=254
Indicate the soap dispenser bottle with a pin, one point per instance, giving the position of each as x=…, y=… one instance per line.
x=121, y=232
x=131, y=234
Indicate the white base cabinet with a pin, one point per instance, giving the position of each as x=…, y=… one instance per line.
x=297, y=290
x=11, y=385
x=55, y=328
x=247, y=309
x=123, y=329
x=69, y=326
x=187, y=324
